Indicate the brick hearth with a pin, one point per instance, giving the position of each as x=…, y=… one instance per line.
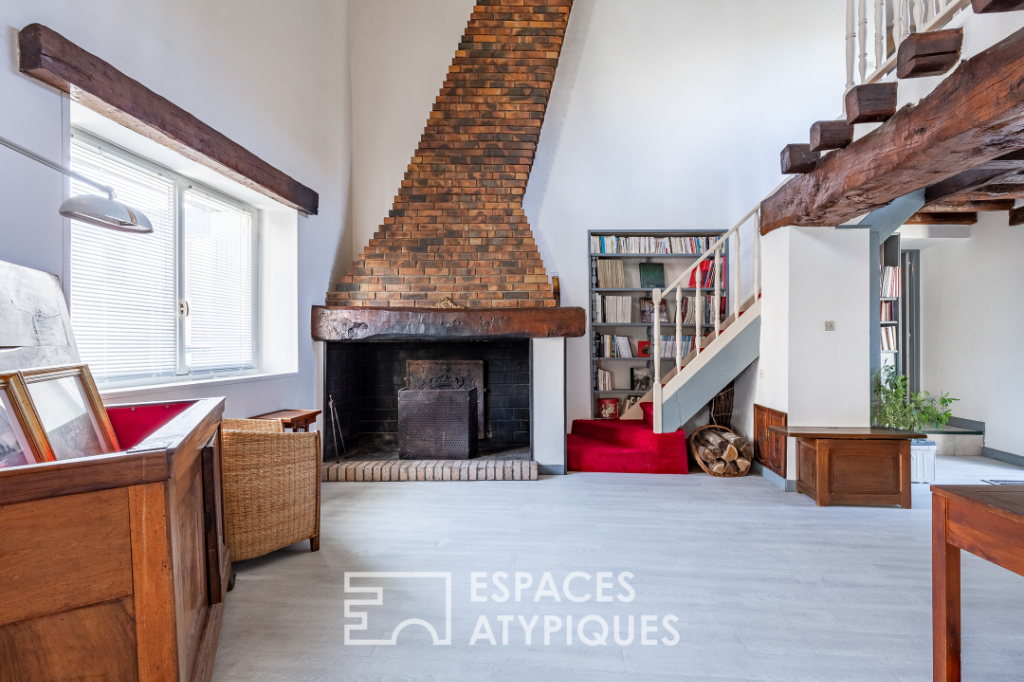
x=457, y=227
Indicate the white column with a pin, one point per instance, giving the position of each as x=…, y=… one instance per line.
x=547, y=404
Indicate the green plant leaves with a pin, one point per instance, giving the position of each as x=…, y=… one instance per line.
x=897, y=408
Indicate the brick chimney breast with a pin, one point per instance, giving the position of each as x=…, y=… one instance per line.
x=457, y=229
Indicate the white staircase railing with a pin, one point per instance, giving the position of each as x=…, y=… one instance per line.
x=919, y=16
x=735, y=265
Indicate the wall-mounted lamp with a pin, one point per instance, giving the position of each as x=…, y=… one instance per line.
x=92, y=208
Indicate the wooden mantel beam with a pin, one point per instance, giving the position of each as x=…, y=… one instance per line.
x=53, y=59
x=974, y=116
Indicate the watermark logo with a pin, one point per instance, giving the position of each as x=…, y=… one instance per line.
x=604, y=621
x=433, y=580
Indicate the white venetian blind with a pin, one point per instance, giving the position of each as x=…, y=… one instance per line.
x=123, y=290
x=218, y=265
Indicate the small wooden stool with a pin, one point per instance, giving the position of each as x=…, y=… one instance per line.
x=296, y=420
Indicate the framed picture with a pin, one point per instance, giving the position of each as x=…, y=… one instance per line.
x=70, y=411
x=643, y=349
x=641, y=378
x=652, y=275
x=22, y=440
x=647, y=310
x=608, y=408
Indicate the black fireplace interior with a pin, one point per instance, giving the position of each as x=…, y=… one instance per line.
x=363, y=379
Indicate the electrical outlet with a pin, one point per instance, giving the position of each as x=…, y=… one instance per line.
x=830, y=326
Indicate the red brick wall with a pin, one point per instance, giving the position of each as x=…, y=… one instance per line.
x=457, y=228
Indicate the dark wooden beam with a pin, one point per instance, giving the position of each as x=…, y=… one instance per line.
x=1017, y=217
x=49, y=57
x=331, y=323
x=943, y=219
x=826, y=135
x=972, y=206
x=988, y=6
x=974, y=116
x=798, y=158
x=871, y=103
x=929, y=54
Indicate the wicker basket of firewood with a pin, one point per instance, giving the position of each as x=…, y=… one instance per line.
x=720, y=452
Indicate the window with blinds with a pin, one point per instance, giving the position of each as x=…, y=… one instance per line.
x=159, y=307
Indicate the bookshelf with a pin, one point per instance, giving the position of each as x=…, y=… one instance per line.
x=890, y=313
x=674, y=263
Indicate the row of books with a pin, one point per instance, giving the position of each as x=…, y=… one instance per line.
x=651, y=245
x=604, y=380
x=610, y=274
x=890, y=282
x=707, y=275
x=612, y=346
x=890, y=338
x=888, y=311
x=617, y=309
x=668, y=346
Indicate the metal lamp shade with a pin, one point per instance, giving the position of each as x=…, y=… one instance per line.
x=105, y=212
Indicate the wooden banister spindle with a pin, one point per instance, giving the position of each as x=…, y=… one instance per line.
x=698, y=308
x=851, y=43
x=736, y=277
x=879, y=32
x=862, y=35
x=656, y=345
x=679, y=329
x=918, y=15
x=757, y=257
x=717, y=312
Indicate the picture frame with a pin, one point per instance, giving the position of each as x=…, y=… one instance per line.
x=647, y=311
x=22, y=439
x=641, y=378
x=69, y=411
x=608, y=408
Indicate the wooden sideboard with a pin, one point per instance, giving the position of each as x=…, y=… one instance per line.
x=769, y=447
x=114, y=567
x=852, y=465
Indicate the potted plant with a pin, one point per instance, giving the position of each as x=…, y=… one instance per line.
x=898, y=408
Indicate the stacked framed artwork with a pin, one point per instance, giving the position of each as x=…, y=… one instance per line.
x=52, y=414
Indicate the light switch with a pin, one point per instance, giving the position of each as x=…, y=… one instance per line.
x=830, y=326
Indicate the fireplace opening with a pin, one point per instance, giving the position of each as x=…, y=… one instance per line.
x=363, y=380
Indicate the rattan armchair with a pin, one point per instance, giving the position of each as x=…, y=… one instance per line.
x=271, y=487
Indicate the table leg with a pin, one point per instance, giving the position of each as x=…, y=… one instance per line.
x=945, y=597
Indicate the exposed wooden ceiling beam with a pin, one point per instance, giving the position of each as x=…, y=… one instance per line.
x=969, y=206
x=1017, y=217
x=943, y=219
x=989, y=6
x=975, y=115
x=53, y=59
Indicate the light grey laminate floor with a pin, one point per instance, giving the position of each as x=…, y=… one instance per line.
x=765, y=586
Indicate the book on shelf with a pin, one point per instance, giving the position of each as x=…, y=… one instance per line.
x=640, y=379
x=690, y=309
x=668, y=345
x=652, y=275
x=604, y=380
x=687, y=246
x=610, y=274
x=612, y=346
x=707, y=274
x=888, y=311
x=890, y=282
x=890, y=338
x=617, y=309
x=647, y=311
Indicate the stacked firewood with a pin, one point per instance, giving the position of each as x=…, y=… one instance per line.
x=721, y=452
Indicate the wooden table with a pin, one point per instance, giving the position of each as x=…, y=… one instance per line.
x=985, y=520
x=852, y=465
x=296, y=420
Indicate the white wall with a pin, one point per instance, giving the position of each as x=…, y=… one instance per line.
x=272, y=76
x=665, y=114
x=972, y=328
x=401, y=51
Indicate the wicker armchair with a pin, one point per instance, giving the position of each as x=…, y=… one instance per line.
x=271, y=487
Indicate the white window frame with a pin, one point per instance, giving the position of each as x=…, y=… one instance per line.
x=181, y=184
